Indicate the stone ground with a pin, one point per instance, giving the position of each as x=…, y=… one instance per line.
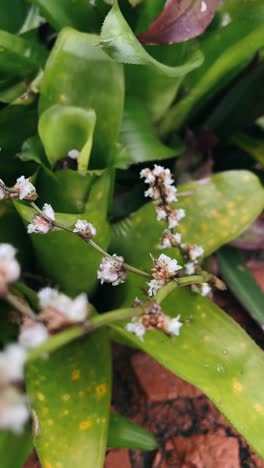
x=190, y=430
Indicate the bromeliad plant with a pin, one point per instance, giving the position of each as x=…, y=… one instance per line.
x=87, y=118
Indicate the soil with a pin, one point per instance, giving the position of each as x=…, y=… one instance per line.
x=190, y=430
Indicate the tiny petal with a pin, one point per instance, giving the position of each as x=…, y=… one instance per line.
x=204, y=289
x=9, y=266
x=173, y=326
x=84, y=229
x=154, y=286
x=14, y=411
x=12, y=361
x=48, y=211
x=47, y=296
x=136, y=327
x=73, y=154
x=161, y=212
x=74, y=310
x=112, y=271
x=25, y=189
x=189, y=268
x=148, y=175
x=169, y=239
x=196, y=251
x=33, y=335
x=78, y=310
x=2, y=190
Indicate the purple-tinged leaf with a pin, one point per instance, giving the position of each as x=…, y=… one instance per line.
x=179, y=21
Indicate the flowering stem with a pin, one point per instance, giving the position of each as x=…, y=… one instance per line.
x=90, y=241
x=95, y=322
x=20, y=306
x=184, y=281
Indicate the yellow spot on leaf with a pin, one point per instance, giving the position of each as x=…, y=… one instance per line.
x=258, y=408
x=215, y=214
x=81, y=394
x=244, y=218
x=66, y=412
x=84, y=425
x=75, y=375
x=206, y=338
x=46, y=464
x=203, y=315
x=242, y=345
x=50, y=422
x=101, y=390
x=237, y=386
x=230, y=205
x=40, y=396
x=63, y=98
x=66, y=397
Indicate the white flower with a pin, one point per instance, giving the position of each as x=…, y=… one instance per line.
x=12, y=361
x=136, y=327
x=175, y=216
x=189, y=268
x=25, y=189
x=84, y=229
x=148, y=175
x=152, y=192
x=111, y=270
x=75, y=310
x=73, y=154
x=14, y=411
x=2, y=189
x=170, y=194
x=39, y=224
x=33, y=335
x=173, y=326
x=154, y=286
x=169, y=263
x=9, y=266
x=195, y=251
x=204, y=289
x=169, y=239
x=161, y=212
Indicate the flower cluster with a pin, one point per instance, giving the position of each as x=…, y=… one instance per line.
x=14, y=411
x=84, y=229
x=112, y=270
x=154, y=318
x=9, y=267
x=164, y=270
x=42, y=224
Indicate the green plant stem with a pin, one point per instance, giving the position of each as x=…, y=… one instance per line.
x=183, y=281
x=20, y=306
x=95, y=322
x=90, y=241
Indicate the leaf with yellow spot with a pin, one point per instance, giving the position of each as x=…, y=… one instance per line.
x=70, y=394
x=212, y=351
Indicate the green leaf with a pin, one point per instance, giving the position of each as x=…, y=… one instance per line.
x=71, y=396
x=242, y=283
x=217, y=211
x=14, y=449
x=79, y=14
x=19, y=57
x=226, y=52
x=126, y=434
x=12, y=14
x=139, y=139
x=97, y=83
x=74, y=262
x=119, y=41
x=63, y=128
x=253, y=146
x=217, y=356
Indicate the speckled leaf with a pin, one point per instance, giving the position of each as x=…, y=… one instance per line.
x=227, y=51
x=70, y=394
x=74, y=263
x=242, y=283
x=97, y=83
x=119, y=41
x=217, y=211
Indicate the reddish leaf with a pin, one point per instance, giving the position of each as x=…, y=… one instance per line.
x=179, y=21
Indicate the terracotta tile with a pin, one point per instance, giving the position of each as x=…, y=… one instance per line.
x=158, y=383
x=118, y=458
x=200, y=451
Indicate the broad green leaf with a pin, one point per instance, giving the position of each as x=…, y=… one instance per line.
x=217, y=211
x=80, y=74
x=253, y=146
x=32, y=150
x=139, y=139
x=248, y=95
x=32, y=21
x=65, y=258
x=126, y=434
x=19, y=57
x=119, y=41
x=217, y=356
x=70, y=394
x=79, y=14
x=13, y=13
x=226, y=52
x=14, y=449
x=63, y=128
x=242, y=283
x=17, y=123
